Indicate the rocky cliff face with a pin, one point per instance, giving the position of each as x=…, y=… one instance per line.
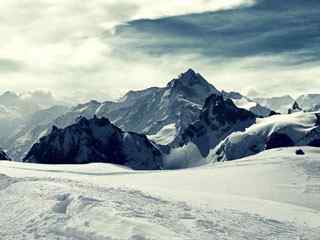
x=95, y=140
x=218, y=119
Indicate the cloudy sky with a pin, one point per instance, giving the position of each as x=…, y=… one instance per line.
x=102, y=48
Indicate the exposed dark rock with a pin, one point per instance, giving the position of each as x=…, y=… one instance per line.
x=315, y=143
x=95, y=140
x=295, y=108
x=279, y=140
x=300, y=152
x=3, y=155
x=218, y=119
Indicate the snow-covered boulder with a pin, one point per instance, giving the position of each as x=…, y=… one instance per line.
x=218, y=119
x=3, y=155
x=297, y=129
x=96, y=140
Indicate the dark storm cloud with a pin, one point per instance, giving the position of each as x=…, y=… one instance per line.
x=268, y=27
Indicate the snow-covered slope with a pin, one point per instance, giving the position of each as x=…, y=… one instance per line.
x=218, y=119
x=308, y=101
x=10, y=118
x=95, y=140
x=246, y=103
x=297, y=129
x=273, y=195
x=277, y=104
x=19, y=141
x=16, y=113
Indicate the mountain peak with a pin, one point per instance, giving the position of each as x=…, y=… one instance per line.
x=188, y=78
x=190, y=73
x=192, y=82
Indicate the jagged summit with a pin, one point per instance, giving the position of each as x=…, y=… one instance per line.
x=218, y=118
x=95, y=140
x=189, y=79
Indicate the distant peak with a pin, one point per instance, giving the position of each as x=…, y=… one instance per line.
x=190, y=72
x=189, y=75
x=10, y=94
x=188, y=78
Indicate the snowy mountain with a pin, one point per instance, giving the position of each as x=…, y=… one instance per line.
x=308, y=101
x=150, y=110
x=218, y=119
x=297, y=129
x=28, y=103
x=277, y=104
x=9, y=120
x=95, y=140
x=246, y=103
x=3, y=155
x=19, y=141
x=147, y=111
x=15, y=109
x=161, y=113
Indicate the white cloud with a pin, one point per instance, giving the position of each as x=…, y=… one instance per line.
x=57, y=44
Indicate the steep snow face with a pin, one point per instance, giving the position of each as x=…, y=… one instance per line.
x=3, y=155
x=308, y=101
x=246, y=103
x=277, y=104
x=95, y=140
x=165, y=136
x=273, y=195
x=297, y=129
x=217, y=120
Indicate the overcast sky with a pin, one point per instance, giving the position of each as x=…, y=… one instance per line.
x=99, y=49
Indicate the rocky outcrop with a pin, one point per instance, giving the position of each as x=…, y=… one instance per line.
x=218, y=119
x=3, y=155
x=95, y=140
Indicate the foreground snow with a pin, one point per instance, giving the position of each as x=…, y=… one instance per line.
x=273, y=195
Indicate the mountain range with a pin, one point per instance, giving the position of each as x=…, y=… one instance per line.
x=188, y=111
